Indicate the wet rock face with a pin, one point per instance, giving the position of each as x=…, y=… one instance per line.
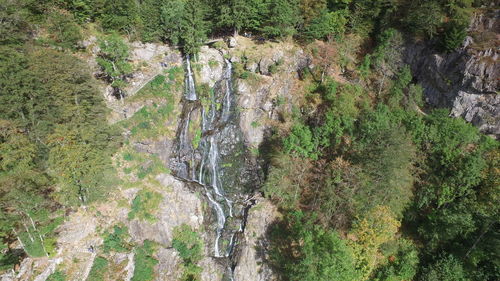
x=252, y=264
x=466, y=80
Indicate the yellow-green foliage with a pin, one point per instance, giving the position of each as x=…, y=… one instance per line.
x=377, y=227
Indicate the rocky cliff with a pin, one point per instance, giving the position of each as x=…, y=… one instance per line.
x=467, y=80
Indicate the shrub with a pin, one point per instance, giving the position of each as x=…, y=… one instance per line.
x=190, y=247
x=116, y=241
x=300, y=142
x=453, y=38
x=98, y=270
x=144, y=205
x=144, y=262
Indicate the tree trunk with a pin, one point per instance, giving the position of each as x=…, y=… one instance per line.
x=19, y=239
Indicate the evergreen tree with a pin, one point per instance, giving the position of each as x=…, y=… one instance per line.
x=282, y=18
x=113, y=56
x=119, y=15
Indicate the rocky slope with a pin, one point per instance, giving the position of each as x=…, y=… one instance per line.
x=263, y=92
x=467, y=81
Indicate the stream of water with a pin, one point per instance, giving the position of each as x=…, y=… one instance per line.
x=205, y=164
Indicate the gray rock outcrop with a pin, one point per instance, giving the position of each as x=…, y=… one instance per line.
x=467, y=81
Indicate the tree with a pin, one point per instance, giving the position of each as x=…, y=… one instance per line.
x=238, y=15
x=446, y=268
x=307, y=252
x=194, y=27
x=327, y=25
x=377, y=227
x=119, y=15
x=64, y=30
x=75, y=161
x=300, y=141
x=184, y=23
x=14, y=27
x=150, y=27
x=172, y=14
x=453, y=37
x=286, y=182
x=424, y=18
x=400, y=266
x=387, y=154
x=310, y=9
x=282, y=19
x=113, y=56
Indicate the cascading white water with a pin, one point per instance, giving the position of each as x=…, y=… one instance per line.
x=205, y=164
x=209, y=165
x=189, y=81
x=227, y=97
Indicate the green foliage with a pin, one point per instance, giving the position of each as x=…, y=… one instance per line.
x=447, y=268
x=49, y=157
x=327, y=25
x=424, y=18
x=63, y=29
x=453, y=38
x=400, y=266
x=190, y=247
x=387, y=155
x=99, y=269
x=188, y=243
x=150, y=26
x=57, y=276
x=238, y=15
x=397, y=91
x=144, y=262
x=281, y=19
x=117, y=240
x=340, y=115
x=300, y=141
x=119, y=15
x=113, y=58
x=144, y=205
x=304, y=250
x=184, y=23
x=459, y=167
x=14, y=28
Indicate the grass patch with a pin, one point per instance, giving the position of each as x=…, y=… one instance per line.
x=213, y=63
x=144, y=262
x=143, y=165
x=57, y=276
x=117, y=240
x=158, y=87
x=149, y=121
x=99, y=269
x=144, y=205
x=190, y=247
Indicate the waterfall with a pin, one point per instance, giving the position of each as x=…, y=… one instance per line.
x=189, y=81
x=210, y=164
x=209, y=170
